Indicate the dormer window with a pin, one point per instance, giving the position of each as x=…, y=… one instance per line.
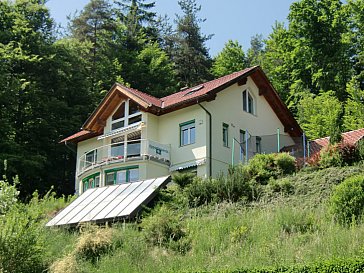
x=248, y=102
x=127, y=114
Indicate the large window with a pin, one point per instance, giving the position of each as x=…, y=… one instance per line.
x=187, y=132
x=117, y=147
x=225, y=134
x=122, y=175
x=127, y=114
x=248, y=102
x=92, y=181
x=90, y=158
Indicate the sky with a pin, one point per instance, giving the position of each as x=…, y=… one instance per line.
x=225, y=19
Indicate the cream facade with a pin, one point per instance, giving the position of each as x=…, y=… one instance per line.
x=136, y=143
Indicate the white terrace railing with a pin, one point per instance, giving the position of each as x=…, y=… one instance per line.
x=140, y=149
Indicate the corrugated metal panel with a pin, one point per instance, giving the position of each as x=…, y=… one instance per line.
x=109, y=203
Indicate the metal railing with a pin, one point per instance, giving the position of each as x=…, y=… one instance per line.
x=123, y=151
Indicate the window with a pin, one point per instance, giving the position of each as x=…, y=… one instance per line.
x=258, y=145
x=242, y=144
x=225, y=134
x=187, y=133
x=92, y=181
x=122, y=175
x=90, y=158
x=248, y=102
x=117, y=147
x=127, y=114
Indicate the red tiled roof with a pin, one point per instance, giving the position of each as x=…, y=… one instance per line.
x=201, y=89
x=351, y=138
x=143, y=96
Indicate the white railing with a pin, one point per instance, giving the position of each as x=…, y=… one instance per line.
x=123, y=151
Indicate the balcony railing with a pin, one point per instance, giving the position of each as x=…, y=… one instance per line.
x=123, y=151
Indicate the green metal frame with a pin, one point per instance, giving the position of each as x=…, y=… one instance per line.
x=85, y=180
x=115, y=170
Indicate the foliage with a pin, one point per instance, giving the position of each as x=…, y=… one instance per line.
x=189, y=51
x=347, y=200
x=264, y=166
x=67, y=264
x=318, y=115
x=231, y=59
x=183, y=179
x=164, y=228
x=8, y=195
x=293, y=221
x=21, y=238
x=330, y=156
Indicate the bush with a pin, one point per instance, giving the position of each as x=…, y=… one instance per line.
x=330, y=156
x=349, y=153
x=347, y=200
x=93, y=242
x=233, y=187
x=183, y=179
x=21, y=244
x=283, y=186
x=264, y=166
x=360, y=148
x=8, y=195
x=164, y=228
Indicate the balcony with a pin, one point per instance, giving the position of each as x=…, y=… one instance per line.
x=124, y=151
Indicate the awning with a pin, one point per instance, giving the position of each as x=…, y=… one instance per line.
x=110, y=203
x=188, y=164
x=127, y=129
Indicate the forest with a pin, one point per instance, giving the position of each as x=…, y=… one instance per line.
x=51, y=80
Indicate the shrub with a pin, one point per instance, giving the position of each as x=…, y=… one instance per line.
x=347, y=200
x=330, y=156
x=283, y=185
x=264, y=166
x=360, y=148
x=8, y=195
x=285, y=162
x=164, y=228
x=93, y=242
x=349, y=153
x=183, y=179
x=21, y=243
x=233, y=187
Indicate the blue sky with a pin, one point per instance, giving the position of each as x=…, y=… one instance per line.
x=228, y=19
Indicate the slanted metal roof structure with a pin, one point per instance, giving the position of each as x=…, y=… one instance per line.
x=110, y=203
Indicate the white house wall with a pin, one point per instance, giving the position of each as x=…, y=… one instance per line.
x=228, y=108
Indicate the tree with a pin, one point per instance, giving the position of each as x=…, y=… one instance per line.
x=189, y=52
x=318, y=115
x=255, y=53
x=321, y=52
x=96, y=26
x=354, y=108
x=230, y=59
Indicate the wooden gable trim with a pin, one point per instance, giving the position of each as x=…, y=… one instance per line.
x=97, y=121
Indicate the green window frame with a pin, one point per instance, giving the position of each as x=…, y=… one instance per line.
x=117, y=174
x=187, y=132
x=225, y=134
x=87, y=184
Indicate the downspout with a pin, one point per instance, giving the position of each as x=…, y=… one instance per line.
x=210, y=138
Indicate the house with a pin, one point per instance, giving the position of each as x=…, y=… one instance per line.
x=347, y=138
x=133, y=136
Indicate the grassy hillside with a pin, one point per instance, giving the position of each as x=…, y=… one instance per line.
x=287, y=222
